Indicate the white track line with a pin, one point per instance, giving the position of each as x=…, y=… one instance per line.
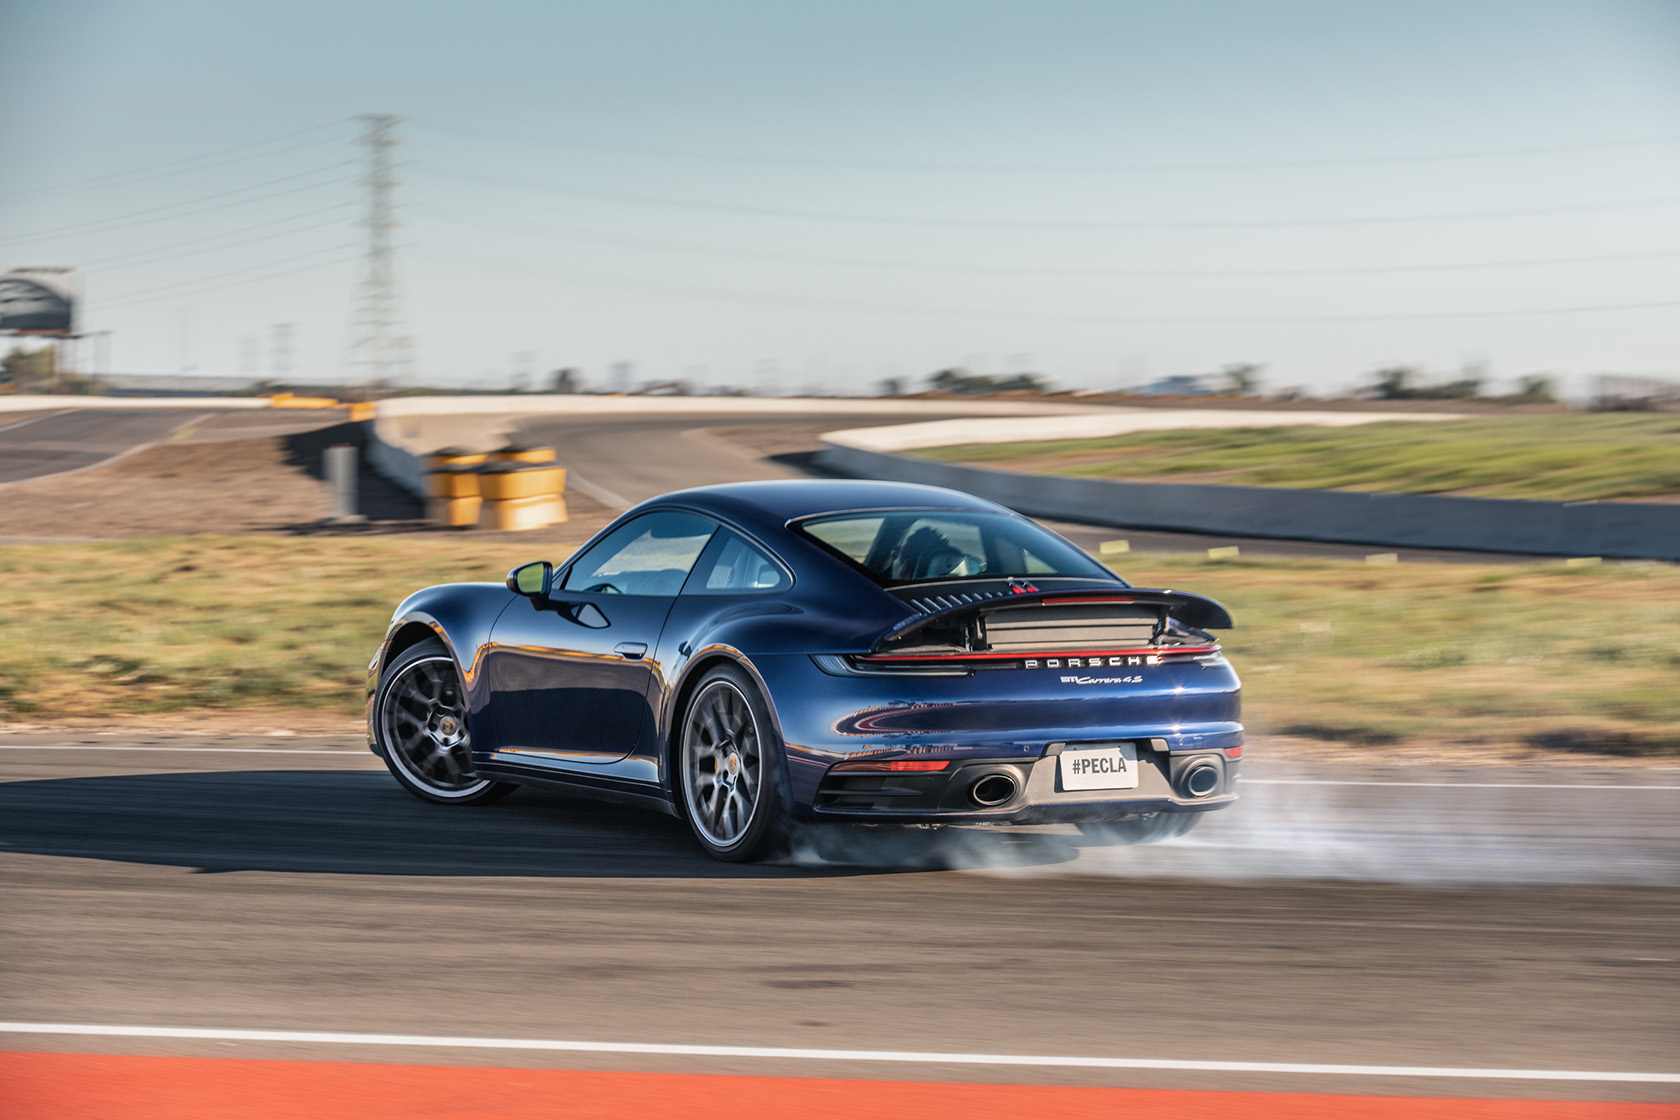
x=1435, y=785
x=918, y=1057
x=33, y=419
x=608, y=498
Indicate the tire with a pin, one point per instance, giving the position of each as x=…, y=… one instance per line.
x=1141, y=830
x=730, y=769
x=420, y=726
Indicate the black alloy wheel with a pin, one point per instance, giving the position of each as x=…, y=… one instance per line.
x=420, y=724
x=730, y=769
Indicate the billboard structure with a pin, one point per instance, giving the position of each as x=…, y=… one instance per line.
x=38, y=301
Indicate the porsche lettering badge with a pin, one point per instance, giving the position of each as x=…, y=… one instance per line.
x=1115, y=662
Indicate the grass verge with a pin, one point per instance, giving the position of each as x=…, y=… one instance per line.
x=1544, y=655
x=209, y=622
x=1568, y=457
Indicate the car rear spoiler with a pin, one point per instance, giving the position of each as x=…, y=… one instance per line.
x=1192, y=610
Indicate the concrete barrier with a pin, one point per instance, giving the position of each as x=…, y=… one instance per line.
x=1108, y=422
x=394, y=463
x=1616, y=529
x=405, y=429
x=1630, y=530
x=585, y=405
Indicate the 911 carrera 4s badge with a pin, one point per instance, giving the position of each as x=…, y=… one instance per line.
x=1100, y=767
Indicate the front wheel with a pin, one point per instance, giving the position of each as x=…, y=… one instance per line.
x=420, y=723
x=1141, y=830
x=730, y=767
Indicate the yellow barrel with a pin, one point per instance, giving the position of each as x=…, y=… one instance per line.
x=454, y=457
x=519, y=514
x=452, y=482
x=502, y=482
x=454, y=513
x=452, y=474
x=522, y=453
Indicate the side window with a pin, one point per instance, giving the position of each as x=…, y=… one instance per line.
x=853, y=537
x=733, y=566
x=651, y=555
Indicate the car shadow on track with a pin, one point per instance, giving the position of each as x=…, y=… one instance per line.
x=360, y=823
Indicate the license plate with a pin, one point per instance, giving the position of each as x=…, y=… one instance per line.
x=1100, y=767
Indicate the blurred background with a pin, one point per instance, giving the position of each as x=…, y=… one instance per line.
x=799, y=199
x=1363, y=319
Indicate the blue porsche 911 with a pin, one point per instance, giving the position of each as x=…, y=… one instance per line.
x=753, y=656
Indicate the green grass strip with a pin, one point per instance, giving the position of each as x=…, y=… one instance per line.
x=1567, y=457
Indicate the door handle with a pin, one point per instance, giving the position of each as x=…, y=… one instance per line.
x=631, y=650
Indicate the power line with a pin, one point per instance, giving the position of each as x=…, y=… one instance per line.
x=197, y=285
x=1046, y=224
x=118, y=304
x=232, y=244
x=162, y=171
x=575, y=144
x=120, y=221
x=148, y=256
x=726, y=295
x=720, y=252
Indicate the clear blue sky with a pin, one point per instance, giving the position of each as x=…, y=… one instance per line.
x=807, y=194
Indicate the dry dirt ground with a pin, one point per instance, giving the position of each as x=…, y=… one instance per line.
x=234, y=473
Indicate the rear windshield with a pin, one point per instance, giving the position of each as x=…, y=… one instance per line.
x=915, y=546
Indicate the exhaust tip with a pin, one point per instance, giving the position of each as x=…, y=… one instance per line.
x=1201, y=780
x=992, y=790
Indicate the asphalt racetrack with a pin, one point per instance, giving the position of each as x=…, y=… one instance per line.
x=1473, y=921
x=71, y=439
x=194, y=925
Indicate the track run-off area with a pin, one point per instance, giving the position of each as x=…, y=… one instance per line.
x=194, y=921
x=208, y=925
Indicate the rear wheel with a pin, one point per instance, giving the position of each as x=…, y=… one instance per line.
x=1141, y=830
x=730, y=767
x=420, y=723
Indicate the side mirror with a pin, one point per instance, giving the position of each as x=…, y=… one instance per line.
x=531, y=580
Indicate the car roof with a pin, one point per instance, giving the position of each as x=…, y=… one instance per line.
x=783, y=500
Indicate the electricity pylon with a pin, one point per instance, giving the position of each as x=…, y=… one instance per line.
x=379, y=353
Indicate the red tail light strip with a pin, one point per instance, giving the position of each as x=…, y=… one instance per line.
x=1152, y=651
x=896, y=765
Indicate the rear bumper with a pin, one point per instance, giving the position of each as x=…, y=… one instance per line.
x=1000, y=718
x=948, y=796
